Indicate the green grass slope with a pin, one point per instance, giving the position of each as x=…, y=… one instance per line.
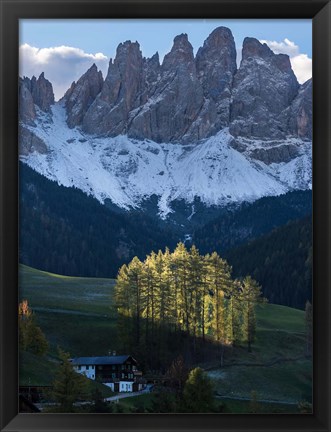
x=77, y=315
x=52, y=291
x=277, y=368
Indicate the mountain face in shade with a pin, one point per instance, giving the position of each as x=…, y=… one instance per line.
x=263, y=88
x=35, y=92
x=81, y=95
x=189, y=98
x=195, y=126
x=184, y=99
x=35, y=98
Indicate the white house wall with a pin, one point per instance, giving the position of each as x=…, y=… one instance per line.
x=126, y=386
x=88, y=371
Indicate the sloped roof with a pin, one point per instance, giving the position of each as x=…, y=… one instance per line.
x=105, y=360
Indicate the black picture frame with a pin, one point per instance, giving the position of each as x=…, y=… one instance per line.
x=320, y=12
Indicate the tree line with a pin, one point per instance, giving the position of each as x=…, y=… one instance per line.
x=183, y=302
x=65, y=231
x=281, y=262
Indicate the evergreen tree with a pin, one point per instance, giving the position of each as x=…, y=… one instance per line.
x=124, y=306
x=68, y=386
x=198, y=392
x=220, y=288
x=180, y=264
x=250, y=295
x=31, y=337
x=172, y=302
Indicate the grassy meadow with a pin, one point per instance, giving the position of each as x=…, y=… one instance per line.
x=77, y=315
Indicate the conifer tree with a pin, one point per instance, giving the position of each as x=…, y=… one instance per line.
x=31, y=337
x=198, y=392
x=180, y=260
x=68, y=385
x=180, y=298
x=250, y=295
x=123, y=303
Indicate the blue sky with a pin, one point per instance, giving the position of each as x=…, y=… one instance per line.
x=68, y=47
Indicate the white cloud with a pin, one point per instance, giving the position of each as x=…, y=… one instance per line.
x=285, y=47
x=61, y=65
x=302, y=66
x=301, y=63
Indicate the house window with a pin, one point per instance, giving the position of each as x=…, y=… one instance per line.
x=129, y=367
x=79, y=367
x=92, y=376
x=113, y=367
x=122, y=375
x=113, y=375
x=123, y=367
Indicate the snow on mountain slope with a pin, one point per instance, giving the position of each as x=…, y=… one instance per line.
x=128, y=171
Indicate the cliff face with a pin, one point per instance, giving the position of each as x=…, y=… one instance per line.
x=186, y=98
x=34, y=94
x=263, y=88
x=81, y=95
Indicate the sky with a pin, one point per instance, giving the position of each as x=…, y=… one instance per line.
x=65, y=49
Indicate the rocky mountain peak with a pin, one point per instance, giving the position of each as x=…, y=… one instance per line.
x=186, y=98
x=216, y=66
x=121, y=92
x=154, y=60
x=127, y=51
x=34, y=92
x=82, y=94
x=42, y=92
x=263, y=87
x=26, y=104
x=219, y=38
x=181, y=53
x=254, y=48
x=181, y=42
x=152, y=71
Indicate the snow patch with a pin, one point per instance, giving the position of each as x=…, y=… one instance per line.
x=129, y=171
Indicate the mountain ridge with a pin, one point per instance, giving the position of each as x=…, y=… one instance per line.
x=194, y=126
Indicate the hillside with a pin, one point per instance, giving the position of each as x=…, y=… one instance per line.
x=188, y=125
x=69, y=309
x=251, y=220
x=281, y=261
x=64, y=231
